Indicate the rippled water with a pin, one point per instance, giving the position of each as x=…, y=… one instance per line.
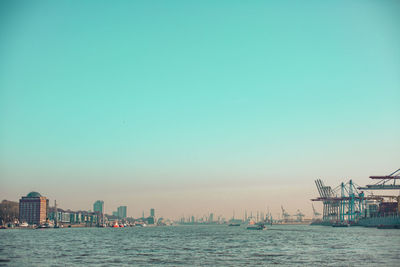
x=201, y=245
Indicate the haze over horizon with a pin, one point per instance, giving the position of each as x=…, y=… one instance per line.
x=191, y=108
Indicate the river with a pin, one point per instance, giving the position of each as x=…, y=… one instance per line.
x=287, y=245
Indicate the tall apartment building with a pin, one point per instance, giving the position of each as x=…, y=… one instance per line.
x=98, y=207
x=121, y=212
x=33, y=208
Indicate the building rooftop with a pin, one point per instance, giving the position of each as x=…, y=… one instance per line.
x=33, y=194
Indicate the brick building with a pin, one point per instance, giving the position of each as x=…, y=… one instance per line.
x=33, y=208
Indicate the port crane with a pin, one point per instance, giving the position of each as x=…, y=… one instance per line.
x=345, y=203
x=328, y=196
x=384, y=182
x=299, y=216
x=316, y=213
x=285, y=215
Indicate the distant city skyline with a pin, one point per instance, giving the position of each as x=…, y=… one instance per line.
x=196, y=108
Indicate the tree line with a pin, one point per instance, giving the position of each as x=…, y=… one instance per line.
x=9, y=211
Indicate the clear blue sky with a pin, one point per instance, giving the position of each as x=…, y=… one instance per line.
x=196, y=106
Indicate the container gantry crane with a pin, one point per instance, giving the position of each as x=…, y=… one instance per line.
x=384, y=182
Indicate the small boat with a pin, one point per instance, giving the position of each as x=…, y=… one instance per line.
x=256, y=227
x=24, y=224
x=234, y=224
x=44, y=226
x=340, y=224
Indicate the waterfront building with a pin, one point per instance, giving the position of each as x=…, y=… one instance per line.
x=33, y=208
x=152, y=213
x=84, y=217
x=60, y=216
x=74, y=217
x=64, y=217
x=150, y=220
x=122, y=212
x=98, y=207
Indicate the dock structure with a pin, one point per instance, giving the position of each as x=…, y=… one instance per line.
x=347, y=203
x=343, y=204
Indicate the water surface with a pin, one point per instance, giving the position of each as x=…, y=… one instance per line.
x=289, y=245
